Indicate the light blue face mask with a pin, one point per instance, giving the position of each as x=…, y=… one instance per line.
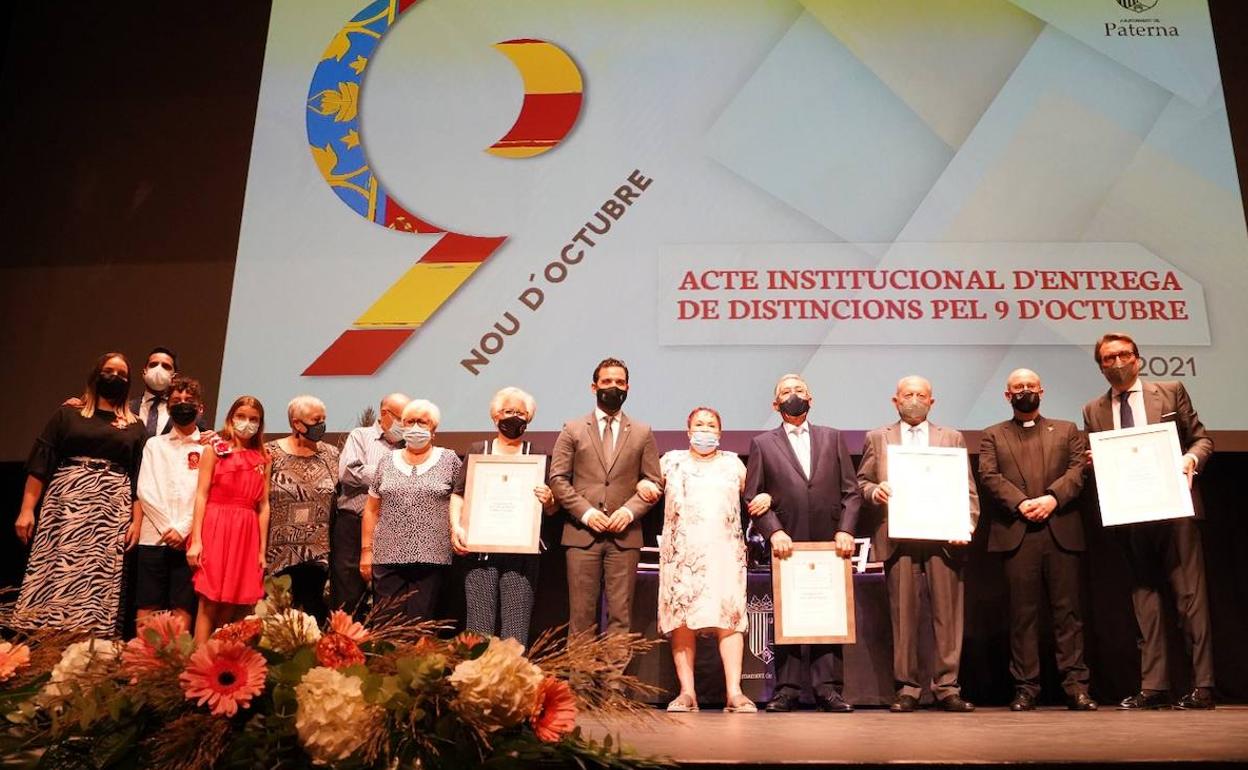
x=704, y=441
x=417, y=438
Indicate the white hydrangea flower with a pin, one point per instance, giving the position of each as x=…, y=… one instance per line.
x=288, y=630
x=332, y=719
x=496, y=690
x=77, y=661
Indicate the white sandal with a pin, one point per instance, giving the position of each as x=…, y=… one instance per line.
x=740, y=705
x=683, y=703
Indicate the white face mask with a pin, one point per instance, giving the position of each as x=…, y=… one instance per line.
x=157, y=379
x=245, y=428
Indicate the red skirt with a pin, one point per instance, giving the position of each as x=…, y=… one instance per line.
x=229, y=564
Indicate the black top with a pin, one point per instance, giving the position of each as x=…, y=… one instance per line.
x=69, y=434
x=480, y=448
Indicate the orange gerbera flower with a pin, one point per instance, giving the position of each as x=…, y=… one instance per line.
x=342, y=623
x=554, y=714
x=12, y=657
x=338, y=651
x=224, y=675
x=469, y=640
x=155, y=646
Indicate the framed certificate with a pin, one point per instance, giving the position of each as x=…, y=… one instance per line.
x=501, y=513
x=814, y=596
x=1139, y=475
x=931, y=496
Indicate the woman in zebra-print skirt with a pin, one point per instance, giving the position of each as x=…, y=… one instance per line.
x=84, y=466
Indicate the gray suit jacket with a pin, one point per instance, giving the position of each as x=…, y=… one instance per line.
x=1163, y=402
x=581, y=478
x=874, y=468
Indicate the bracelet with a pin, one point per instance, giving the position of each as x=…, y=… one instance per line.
x=366, y=548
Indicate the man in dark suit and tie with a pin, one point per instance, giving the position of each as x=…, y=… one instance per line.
x=908, y=562
x=596, y=464
x=152, y=408
x=1164, y=551
x=1032, y=469
x=807, y=473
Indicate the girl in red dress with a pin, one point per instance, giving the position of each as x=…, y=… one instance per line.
x=231, y=520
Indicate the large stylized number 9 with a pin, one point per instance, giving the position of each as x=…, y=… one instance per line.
x=552, y=102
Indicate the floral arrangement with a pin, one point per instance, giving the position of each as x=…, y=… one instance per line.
x=276, y=690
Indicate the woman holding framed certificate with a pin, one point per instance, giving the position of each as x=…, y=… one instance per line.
x=702, y=557
x=499, y=587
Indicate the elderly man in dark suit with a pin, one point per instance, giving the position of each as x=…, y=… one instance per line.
x=1165, y=551
x=807, y=473
x=907, y=563
x=1032, y=469
x=594, y=469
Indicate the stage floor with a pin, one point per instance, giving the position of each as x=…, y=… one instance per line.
x=1049, y=736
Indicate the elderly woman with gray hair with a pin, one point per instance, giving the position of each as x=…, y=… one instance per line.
x=301, y=500
x=405, y=535
x=498, y=588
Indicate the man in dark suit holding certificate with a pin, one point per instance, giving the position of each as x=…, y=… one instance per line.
x=807, y=473
x=1163, y=551
x=1032, y=469
x=907, y=563
x=594, y=469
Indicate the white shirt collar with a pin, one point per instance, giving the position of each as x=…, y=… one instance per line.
x=797, y=430
x=176, y=435
x=600, y=415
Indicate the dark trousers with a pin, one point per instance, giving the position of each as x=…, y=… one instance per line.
x=827, y=669
x=591, y=567
x=912, y=563
x=1169, y=552
x=498, y=593
x=347, y=589
x=307, y=589
x=412, y=588
x=1037, y=569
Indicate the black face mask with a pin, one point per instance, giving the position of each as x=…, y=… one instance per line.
x=795, y=405
x=184, y=413
x=112, y=388
x=611, y=399
x=513, y=427
x=1025, y=402
x=315, y=431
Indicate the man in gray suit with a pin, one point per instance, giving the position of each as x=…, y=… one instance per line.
x=906, y=562
x=1032, y=470
x=808, y=476
x=594, y=470
x=1165, y=551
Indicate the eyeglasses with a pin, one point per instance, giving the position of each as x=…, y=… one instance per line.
x=1125, y=357
x=513, y=413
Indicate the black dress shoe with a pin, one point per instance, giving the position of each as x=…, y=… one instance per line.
x=833, y=703
x=781, y=702
x=1023, y=702
x=1144, y=701
x=904, y=704
x=1201, y=698
x=1081, y=702
x=956, y=704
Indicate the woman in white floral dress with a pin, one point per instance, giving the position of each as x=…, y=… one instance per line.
x=702, y=556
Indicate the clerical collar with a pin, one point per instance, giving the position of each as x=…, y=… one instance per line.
x=1026, y=423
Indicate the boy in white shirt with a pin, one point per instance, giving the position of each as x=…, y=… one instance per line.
x=168, y=477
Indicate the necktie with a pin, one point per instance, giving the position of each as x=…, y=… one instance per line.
x=153, y=414
x=1125, y=417
x=914, y=435
x=608, y=441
